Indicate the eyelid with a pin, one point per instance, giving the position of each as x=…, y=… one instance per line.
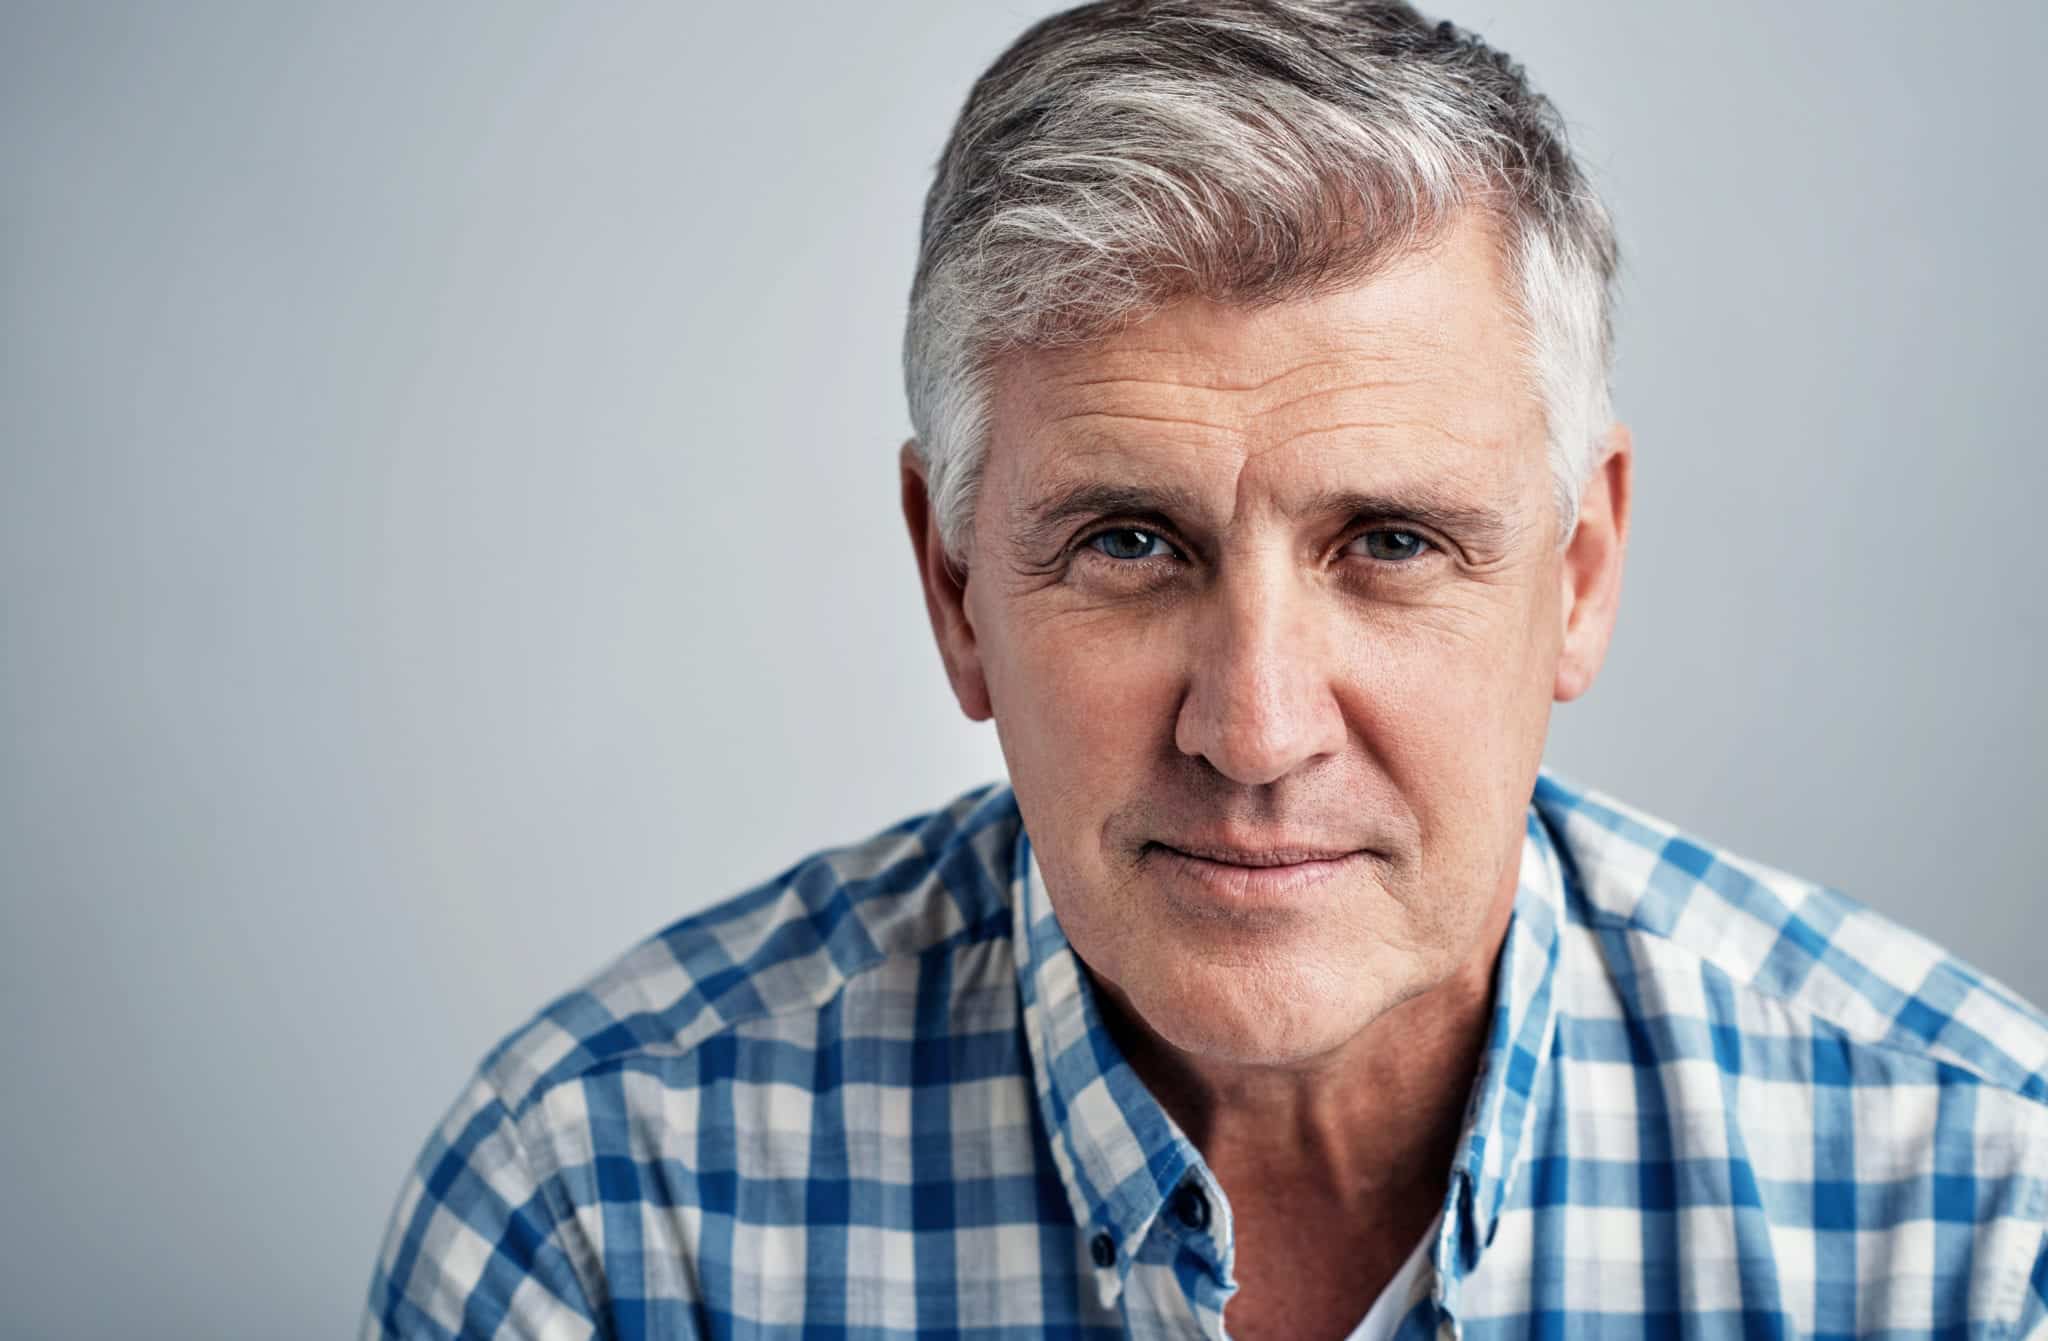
x=1163, y=534
x=1378, y=526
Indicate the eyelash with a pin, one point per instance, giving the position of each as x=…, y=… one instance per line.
x=1087, y=542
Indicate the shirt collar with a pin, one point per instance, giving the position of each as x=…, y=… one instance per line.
x=1121, y=1155
x=1514, y=1073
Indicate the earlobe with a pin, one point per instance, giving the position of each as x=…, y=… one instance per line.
x=945, y=591
x=1591, y=572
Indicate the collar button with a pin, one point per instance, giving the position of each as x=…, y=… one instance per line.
x=1103, y=1249
x=1191, y=1207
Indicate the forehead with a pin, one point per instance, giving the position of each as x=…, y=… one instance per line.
x=1419, y=370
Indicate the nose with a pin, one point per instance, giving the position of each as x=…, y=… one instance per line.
x=1260, y=702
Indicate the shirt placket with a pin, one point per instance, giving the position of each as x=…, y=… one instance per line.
x=1180, y=1282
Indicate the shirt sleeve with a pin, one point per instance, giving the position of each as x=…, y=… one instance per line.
x=475, y=1249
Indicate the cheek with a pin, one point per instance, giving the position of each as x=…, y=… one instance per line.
x=1074, y=665
x=1083, y=712
x=1439, y=681
x=1083, y=706
x=1455, y=711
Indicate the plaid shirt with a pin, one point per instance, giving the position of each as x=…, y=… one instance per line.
x=874, y=1098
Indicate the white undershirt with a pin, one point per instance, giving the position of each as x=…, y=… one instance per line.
x=1387, y=1311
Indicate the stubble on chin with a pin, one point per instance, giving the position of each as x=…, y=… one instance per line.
x=1251, y=987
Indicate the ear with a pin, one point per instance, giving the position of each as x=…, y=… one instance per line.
x=1592, y=568
x=945, y=591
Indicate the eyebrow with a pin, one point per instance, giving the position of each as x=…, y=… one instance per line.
x=1483, y=530
x=1035, y=525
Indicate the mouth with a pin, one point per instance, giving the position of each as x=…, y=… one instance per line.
x=1259, y=857
x=1252, y=877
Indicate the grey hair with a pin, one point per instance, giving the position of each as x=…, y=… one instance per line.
x=1126, y=154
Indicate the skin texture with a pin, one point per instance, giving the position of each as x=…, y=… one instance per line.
x=1329, y=614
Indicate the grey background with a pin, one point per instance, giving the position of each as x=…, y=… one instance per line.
x=448, y=530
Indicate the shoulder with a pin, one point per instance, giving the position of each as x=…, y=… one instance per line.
x=781, y=951
x=1869, y=1096
x=1762, y=939
x=682, y=1077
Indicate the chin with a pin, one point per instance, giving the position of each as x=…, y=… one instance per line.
x=1247, y=1014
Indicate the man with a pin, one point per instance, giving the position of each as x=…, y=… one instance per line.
x=1265, y=495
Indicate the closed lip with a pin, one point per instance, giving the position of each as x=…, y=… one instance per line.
x=1277, y=854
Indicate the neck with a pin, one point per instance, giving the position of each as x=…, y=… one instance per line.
x=1378, y=1118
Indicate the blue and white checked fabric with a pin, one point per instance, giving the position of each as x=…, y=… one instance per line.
x=874, y=1098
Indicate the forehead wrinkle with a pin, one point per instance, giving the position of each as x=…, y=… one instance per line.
x=1428, y=428
x=1097, y=454
x=1076, y=415
x=1219, y=383
x=1391, y=384
x=1094, y=431
x=1350, y=370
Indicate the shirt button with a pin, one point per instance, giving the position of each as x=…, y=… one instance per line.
x=1103, y=1249
x=1191, y=1206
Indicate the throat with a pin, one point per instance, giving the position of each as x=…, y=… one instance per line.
x=1315, y=1273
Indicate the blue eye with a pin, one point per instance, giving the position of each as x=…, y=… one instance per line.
x=1393, y=545
x=1129, y=542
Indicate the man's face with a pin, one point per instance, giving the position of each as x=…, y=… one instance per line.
x=1269, y=611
